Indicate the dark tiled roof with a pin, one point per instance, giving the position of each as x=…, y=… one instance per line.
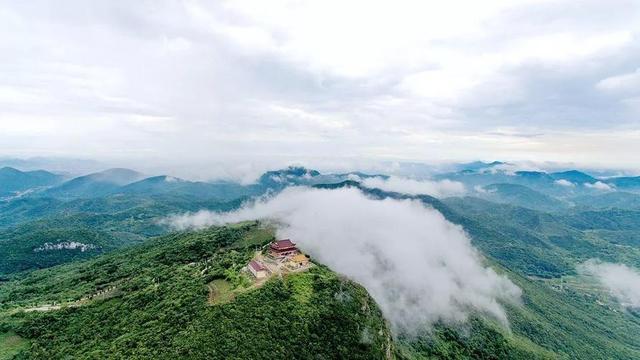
x=256, y=265
x=283, y=244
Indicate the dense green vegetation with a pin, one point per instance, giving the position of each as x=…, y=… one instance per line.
x=14, y=181
x=155, y=305
x=139, y=292
x=530, y=246
x=10, y=345
x=106, y=224
x=520, y=195
x=158, y=308
x=547, y=245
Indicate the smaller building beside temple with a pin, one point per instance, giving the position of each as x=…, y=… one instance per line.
x=257, y=269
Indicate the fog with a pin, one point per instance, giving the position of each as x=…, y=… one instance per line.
x=623, y=282
x=441, y=188
x=419, y=267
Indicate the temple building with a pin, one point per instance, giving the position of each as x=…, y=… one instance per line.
x=282, y=249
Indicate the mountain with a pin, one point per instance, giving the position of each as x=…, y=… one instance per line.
x=574, y=176
x=95, y=185
x=625, y=182
x=478, y=165
x=184, y=296
x=293, y=175
x=54, y=164
x=14, y=181
x=165, y=185
x=102, y=277
x=36, y=233
x=520, y=195
x=617, y=199
x=535, y=177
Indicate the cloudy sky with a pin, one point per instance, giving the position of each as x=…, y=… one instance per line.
x=195, y=82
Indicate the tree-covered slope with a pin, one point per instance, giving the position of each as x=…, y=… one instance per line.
x=523, y=196
x=94, y=185
x=154, y=304
x=45, y=232
x=14, y=181
x=154, y=301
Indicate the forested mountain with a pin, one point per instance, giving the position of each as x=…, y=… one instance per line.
x=104, y=277
x=95, y=185
x=153, y=303
x=521, y=195
x=93, y=226
x=574, y=176
x=14, y=181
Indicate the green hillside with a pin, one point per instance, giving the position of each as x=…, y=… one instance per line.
x=152, y=303
x=103, y=224
x=154, y=300
x=138, y=292
x=15, y=181
x=523, y=196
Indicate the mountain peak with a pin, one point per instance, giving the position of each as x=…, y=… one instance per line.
x=118, y=176
x=573, y=176
x=10, y=170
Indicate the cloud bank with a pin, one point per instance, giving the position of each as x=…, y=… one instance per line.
x=419, y=267
x=622, y=281
x=441, y=188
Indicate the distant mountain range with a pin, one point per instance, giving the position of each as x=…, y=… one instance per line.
x=157, y=293
x=14, y=181
x=491, y=181
x=41, y=183
x=96, y=184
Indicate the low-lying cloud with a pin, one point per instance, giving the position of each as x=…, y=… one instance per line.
x=622, y=281
x=439, y=189
x=563, y=182
x=599, y=185
x=419, y=267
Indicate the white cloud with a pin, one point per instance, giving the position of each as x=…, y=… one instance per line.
x=626, y=83
x=440, y=188
x=418, y=267
x=599, y=185
x=622, y=281
x=563, y=182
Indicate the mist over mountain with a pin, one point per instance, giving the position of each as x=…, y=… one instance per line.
x=479, y=259
x=390, y=180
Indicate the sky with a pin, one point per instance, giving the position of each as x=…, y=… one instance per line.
x=257, y=84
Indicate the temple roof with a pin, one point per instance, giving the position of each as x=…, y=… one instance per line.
x=283, y=245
